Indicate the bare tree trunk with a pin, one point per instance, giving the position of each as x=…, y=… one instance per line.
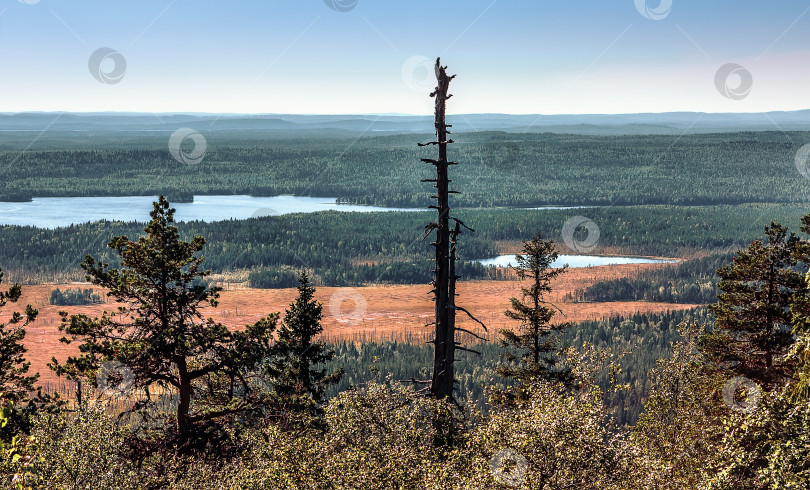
x=444, y=342
x=184, y=403
x=451, y=294
x=444, y=273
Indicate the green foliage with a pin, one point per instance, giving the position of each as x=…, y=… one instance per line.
x=682, y=418
x=557, y=439
x=72, y=297
x=382, y=436
x=753, y=331
x=161, y=340
x=768, y=448
x=799, y=355
x=76, y=450
x=296, y=369
x=691, y=282
x=636, y=341
x=537, y=345
x=16, y=468
x=267, y=278
x=20, y=398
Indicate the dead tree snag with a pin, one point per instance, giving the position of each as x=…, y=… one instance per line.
x=445, y=244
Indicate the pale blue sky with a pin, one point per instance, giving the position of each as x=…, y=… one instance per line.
x=301, y=56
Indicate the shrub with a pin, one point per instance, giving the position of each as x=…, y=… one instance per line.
x=73, y=297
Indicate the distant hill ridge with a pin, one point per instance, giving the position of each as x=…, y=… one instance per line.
x=592, y=124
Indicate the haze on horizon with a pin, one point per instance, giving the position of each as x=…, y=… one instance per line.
x=367, y=57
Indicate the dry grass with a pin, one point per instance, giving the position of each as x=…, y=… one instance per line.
x=374, y=312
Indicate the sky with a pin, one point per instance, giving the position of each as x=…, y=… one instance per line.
x=375, y=56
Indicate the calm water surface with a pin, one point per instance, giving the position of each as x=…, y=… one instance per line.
x=53, y=212
x=578, y=261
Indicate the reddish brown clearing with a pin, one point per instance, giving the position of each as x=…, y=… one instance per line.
x=361, y=313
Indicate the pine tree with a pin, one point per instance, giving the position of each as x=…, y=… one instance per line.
x=535, y=342
x=161, y=338
x=18, y=395
x=297, y=368
x=753, y=326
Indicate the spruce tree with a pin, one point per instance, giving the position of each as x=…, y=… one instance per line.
x=299, y=377
x=753, y=316
x=535, y=345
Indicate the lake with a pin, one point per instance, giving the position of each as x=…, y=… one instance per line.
x=53, y=212
x=578, y=261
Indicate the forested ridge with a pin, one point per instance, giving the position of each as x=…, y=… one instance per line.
x=501, y=169
x=691, y=282
x=356, y=248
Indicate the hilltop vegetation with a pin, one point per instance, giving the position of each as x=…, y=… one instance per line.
x=500, y=169
x=645, y=338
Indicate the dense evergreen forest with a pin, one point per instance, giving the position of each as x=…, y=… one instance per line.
x=692, y=282
x=77, y=296
x=356, y=248
x=644, y=338
x=501, y=169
